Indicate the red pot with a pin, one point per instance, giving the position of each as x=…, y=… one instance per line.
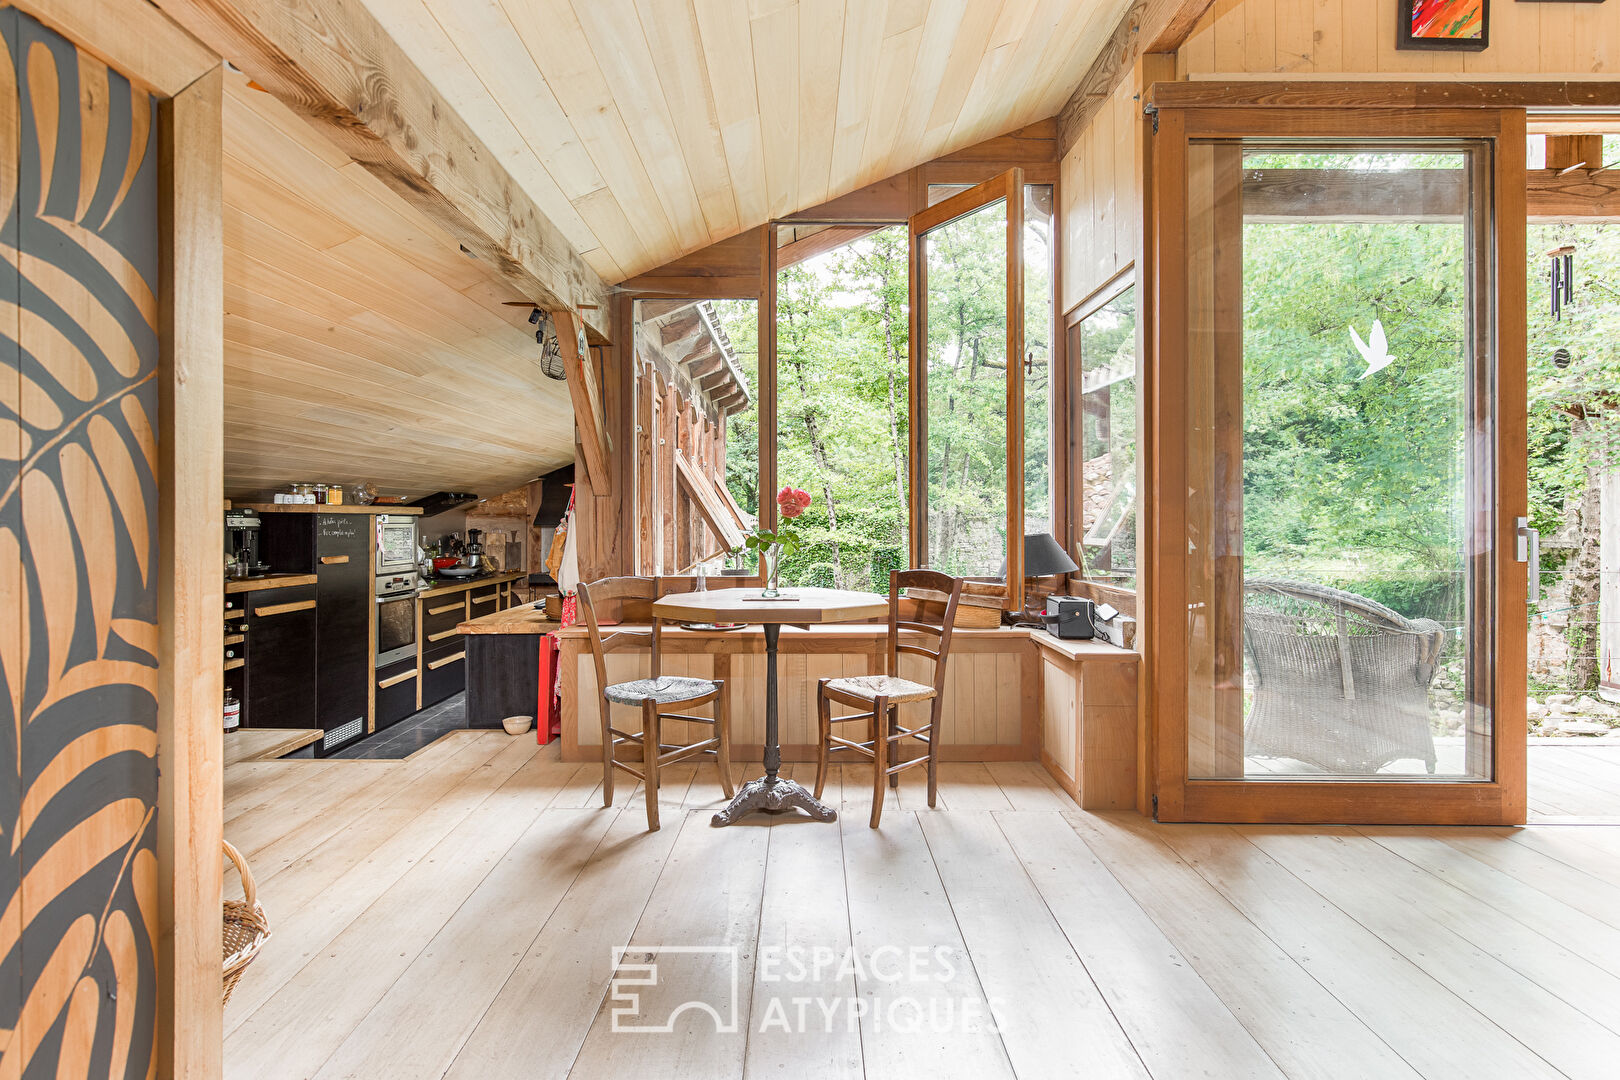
x=444, y=562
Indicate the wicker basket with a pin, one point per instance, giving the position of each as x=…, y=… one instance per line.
x=246, y=929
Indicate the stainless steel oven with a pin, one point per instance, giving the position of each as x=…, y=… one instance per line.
x=396, y=617
x=396, y=545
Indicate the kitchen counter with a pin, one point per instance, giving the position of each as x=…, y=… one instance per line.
x=527, y=619
x=264, y=744
x=268, y=581
x=450, y=585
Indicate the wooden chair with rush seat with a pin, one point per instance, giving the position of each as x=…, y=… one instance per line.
x=882, y=695
x=630, y=599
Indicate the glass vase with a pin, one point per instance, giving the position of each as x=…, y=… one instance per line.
x=773, y=570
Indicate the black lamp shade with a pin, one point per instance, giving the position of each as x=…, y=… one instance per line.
x=1044, y=557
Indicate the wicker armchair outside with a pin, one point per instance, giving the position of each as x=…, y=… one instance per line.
x=1340, y=681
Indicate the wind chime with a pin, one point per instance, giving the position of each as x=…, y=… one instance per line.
x=1561, y=290
x=1561, y=279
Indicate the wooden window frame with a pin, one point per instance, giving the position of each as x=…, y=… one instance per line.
x=1008, y=187
x=1072, y=398
x=1501, y=800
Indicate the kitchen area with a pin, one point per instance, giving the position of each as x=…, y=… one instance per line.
x=349, y=627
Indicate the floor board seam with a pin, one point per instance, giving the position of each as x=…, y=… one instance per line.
x=1400, y=953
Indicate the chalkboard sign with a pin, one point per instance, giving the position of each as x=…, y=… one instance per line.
x=340, y=526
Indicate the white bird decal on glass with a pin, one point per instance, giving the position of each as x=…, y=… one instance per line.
x=1376, y=354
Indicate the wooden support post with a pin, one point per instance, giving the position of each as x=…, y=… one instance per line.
x=1575, y=151
x=191, y=593
x=585, y=390
x=648, y=533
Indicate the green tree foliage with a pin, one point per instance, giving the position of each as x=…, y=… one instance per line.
x=841, y=410
x=1350, y=480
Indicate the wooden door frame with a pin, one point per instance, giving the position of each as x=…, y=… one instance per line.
x=188, y=79
x=1008, y=187
x=1175, y=797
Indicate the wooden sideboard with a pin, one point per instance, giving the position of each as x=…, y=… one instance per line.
x=1088, y=719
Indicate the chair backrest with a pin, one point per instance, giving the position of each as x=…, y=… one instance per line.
x=619, y=600
x=938, y=582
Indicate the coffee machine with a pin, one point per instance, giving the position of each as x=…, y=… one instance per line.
x=242, y=543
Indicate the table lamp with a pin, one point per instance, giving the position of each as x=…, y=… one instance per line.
x=1043, y=557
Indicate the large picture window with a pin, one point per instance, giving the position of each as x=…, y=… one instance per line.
x=904, y=377
x=841, y=400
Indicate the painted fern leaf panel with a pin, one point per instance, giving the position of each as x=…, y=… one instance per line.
x=78, y=602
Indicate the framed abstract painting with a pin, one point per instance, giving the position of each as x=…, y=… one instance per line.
x=1443, y=24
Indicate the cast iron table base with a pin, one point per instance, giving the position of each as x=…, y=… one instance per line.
x=772, y=793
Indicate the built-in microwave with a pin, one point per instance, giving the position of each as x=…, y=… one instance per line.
x=396, y=544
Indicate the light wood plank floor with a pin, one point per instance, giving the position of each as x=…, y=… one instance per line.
x=461, y=914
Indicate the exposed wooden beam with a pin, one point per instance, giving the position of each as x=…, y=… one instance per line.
x=585, y=390
x=1419, y=195
x=332, y=63
x=706, y=501
x=1148, y=26
x=725, y=270
x=730, y=400
x=676, y=329
x=821, y=242
x=657, y=309
x=1429, y=195
x=1548, y=95
x=1583, y=195
x=706, y=363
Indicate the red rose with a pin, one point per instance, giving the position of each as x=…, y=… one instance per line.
x=792, y=502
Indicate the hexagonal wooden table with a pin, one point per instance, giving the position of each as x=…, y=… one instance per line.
x=794, y=607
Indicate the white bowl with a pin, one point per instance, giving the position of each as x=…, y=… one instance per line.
x=517, y=725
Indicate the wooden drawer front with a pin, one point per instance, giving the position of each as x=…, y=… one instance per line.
x=444, y=675
x=434, y=650
x=268, y=603
x=396, y=692
x=441, y=613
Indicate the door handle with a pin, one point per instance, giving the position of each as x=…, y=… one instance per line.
x=333, y=560
x=1527, y=549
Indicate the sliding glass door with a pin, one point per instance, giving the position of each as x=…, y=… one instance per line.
x=1339, y=447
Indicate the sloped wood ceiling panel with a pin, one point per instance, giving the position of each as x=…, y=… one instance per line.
x=646, y=129
x=360, y=343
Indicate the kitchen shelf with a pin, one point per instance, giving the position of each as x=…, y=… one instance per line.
x=232, y=665
x=235, y=639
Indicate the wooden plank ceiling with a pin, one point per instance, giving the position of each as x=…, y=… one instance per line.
x=645, y=129
x=360, y=343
